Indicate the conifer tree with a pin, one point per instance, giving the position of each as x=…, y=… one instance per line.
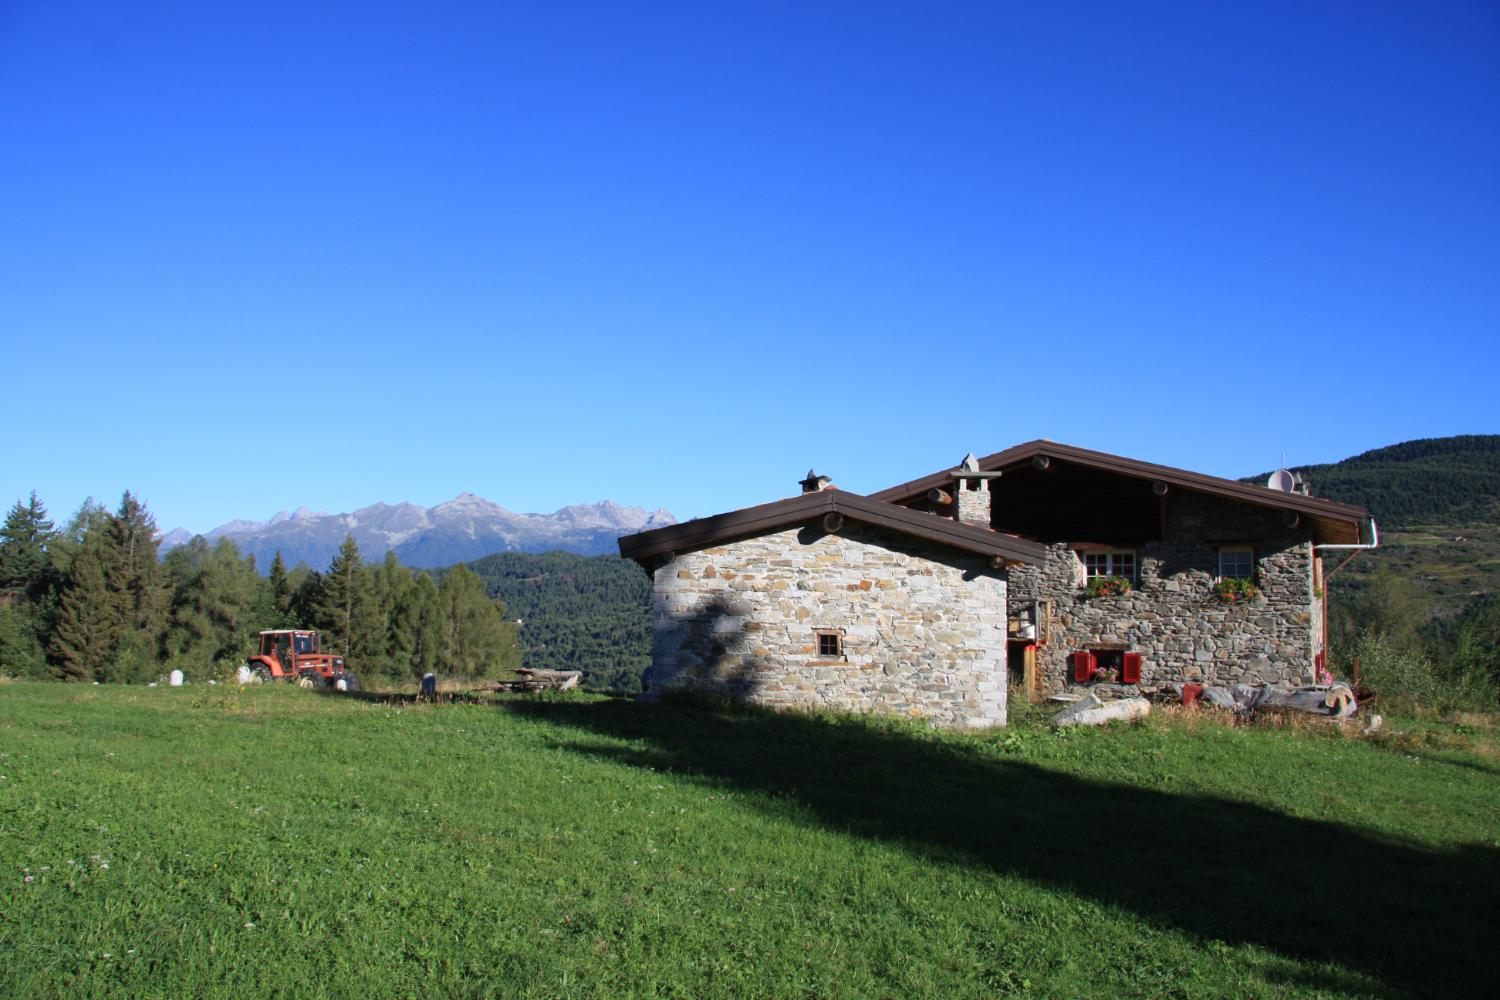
x=307, y=587
x=416, y=632
x=343, y=611
x=21, y=652
x=214, y=617
x=281, y=585
x=134, y=574
x=67, y=542
x=86, y=632
x=23, y=549
x=389, y=583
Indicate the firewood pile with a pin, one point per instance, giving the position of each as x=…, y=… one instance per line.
x=532, y=679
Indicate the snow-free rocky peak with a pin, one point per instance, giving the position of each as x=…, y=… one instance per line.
x=462, y=529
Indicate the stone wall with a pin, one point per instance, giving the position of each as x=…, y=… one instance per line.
x=1172, y=618
x=923, y=625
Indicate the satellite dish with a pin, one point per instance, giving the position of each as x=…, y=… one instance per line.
x=1282, y=481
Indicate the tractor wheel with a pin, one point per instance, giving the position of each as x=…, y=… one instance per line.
x=310, y=681
x=261, y=675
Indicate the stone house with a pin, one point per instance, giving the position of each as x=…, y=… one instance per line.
x=930, y=598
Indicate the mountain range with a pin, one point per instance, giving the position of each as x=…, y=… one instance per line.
x=466, y=528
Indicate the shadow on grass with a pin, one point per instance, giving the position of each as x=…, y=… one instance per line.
x=407, y=698
x=1415, y=919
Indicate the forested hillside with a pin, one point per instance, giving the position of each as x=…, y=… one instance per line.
x=1433, y=481
x=577, y=612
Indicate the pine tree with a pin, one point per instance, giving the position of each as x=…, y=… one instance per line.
x=134, y=574
x=23, y=549
x=307, y=588
x=281, y=585
x=21, y=652
x=214, y=616
x=86, y=632
x=416, y=632
x=343, y=611
x=389, y=583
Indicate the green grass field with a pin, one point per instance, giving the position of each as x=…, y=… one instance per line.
x=275, y=842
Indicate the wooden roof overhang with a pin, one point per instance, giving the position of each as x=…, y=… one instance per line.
x=1333, y=522
x=649, y=548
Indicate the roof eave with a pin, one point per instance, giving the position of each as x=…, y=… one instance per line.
x=647, y=547
x=1316, y=507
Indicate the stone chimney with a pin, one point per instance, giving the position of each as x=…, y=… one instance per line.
x=972, y=495
x=815, y=483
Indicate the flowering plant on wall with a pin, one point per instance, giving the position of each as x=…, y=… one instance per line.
x=1106, y=586
x=1236, y=590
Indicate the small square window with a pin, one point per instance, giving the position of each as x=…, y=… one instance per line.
x=830, y=644
x=1236, y=563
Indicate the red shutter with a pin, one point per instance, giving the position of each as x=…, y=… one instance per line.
x=1130, y=668
x=1083, y=666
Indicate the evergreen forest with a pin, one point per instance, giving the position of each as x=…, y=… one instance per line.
x=588, y=613
x=91, y=601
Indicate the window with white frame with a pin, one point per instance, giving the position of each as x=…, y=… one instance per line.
x=1116, y=563
x=1236, y=562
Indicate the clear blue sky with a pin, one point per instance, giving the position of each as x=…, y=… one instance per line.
x=256, y=255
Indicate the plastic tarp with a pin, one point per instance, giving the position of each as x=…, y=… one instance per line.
x=1244, y=699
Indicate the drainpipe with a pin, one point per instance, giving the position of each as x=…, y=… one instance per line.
x=1353, y=551
x=1374, y=540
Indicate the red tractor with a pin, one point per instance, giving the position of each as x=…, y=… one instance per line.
x=293, y=655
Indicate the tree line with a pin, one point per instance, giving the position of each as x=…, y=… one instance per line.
x=95, y=601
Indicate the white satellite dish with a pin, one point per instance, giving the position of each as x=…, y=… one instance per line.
x=1282, y=481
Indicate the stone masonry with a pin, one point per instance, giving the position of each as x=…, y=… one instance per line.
x=922, y=625
x=1185, y=633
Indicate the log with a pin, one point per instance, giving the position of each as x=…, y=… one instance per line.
x=1093, y=712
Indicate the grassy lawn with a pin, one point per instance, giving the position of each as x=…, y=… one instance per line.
x=274, y=842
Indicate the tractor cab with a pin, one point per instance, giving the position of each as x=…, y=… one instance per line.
x=296, y=654
x=288, y=645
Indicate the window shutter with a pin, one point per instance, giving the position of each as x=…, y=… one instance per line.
x=1083, y=666
x=1130, y=668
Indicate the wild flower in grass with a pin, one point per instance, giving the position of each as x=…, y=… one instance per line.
x=29, y=879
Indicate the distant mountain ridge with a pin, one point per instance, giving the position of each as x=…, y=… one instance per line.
x=463, y=529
